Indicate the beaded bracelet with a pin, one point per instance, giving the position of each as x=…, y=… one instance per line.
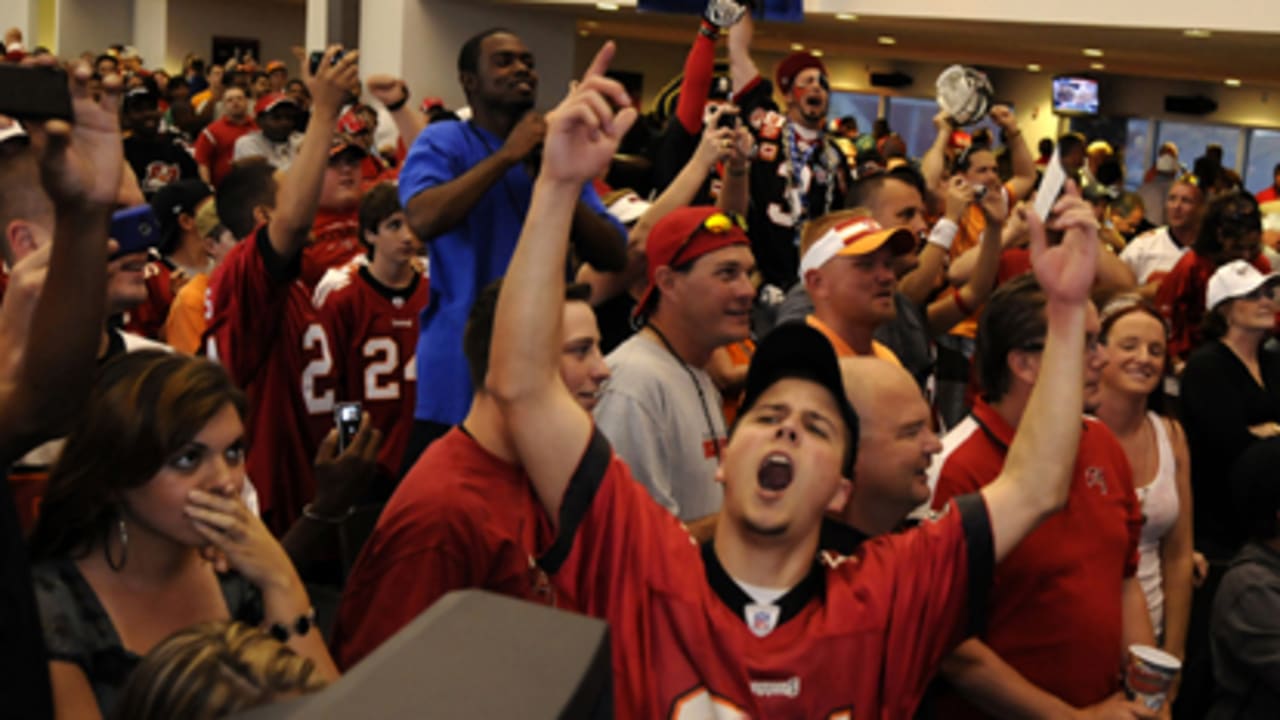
x=299, y=627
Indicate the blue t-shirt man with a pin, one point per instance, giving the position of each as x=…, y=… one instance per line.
x=464, y=259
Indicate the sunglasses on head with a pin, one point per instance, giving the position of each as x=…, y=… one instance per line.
x=717, y=224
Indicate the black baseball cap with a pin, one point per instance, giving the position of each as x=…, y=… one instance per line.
x=140, y=97
x=795, y=350
x=1256, y=489
x=172, y=200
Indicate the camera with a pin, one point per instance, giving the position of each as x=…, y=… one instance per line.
x=318, y=55
x=979, y=192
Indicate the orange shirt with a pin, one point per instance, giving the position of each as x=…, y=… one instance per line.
x=842, y=348
x=186, y=323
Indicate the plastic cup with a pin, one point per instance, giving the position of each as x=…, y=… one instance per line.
x=1149, y=675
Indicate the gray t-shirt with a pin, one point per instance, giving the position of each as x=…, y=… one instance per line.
x=652, y=414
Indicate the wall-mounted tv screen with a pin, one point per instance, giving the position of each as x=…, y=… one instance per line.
x=1075, y=95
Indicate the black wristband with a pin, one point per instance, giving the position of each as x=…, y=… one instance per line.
x=392, y=107
x=299, y=627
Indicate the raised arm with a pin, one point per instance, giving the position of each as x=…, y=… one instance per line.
x=1021, y=162
x=961, y=302
x=393, y=93
x=299, y=193
x=933, y=166
x=920, y=283
x=742, y=69
x=1037, y=473
x=80, y=169
x=550, y=429
x=440, y=208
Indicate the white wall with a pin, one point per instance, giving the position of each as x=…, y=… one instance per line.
x=193, y=23
x=92, y=25
x=436, y=29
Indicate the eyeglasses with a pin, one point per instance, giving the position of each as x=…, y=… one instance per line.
x=720, y=223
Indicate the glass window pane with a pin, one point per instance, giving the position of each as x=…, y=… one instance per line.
x=912, y=118
x=864, y=107
x=1193, y=138
x=1264, y=153
x=1138, y=152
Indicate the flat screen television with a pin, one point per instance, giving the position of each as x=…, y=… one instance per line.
x=1075, y=95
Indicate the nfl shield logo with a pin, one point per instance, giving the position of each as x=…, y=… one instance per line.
x=762, y=619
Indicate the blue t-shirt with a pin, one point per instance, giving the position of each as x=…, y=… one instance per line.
x=464, y=259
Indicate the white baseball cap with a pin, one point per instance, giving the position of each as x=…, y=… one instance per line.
x=1235, y=280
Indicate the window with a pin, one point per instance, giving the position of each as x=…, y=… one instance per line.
x=1193, y=138
x=1264, y=153
x=864, y=107
x=1138, y=151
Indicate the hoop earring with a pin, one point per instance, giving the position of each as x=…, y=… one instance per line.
x=124, y=547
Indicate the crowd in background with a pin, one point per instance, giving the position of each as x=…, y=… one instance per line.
x=497, y=288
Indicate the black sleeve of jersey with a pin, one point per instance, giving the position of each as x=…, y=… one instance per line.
x=277, y=267
x=982, y=558
x=578, y=496
x=674, y=151
x=758, y=96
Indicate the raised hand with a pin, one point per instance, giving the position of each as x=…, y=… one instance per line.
x=82, y=163
x=1003, y=116
x=527, y=134
x=1066, y=270
x=958, y=197
x=332, y=80
x=995, y=206
x=386, y=89
x=341, y=479
x=584, y=130
x=724, y=13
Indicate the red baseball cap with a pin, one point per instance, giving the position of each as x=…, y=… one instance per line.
x=271, y=101
x=684, y=235
x=351, y=123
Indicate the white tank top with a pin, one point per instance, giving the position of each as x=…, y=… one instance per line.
x=1160, y=508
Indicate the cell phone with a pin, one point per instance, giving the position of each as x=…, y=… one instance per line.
x=135, y=229
x=34, y=93
x=346, y=417
x=727, y=120
x=318, y=55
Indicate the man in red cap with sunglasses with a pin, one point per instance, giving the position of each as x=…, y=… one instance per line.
x=799, y=172
x=661, y=407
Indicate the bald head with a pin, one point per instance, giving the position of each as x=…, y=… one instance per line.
x=890, y=477
x=873, y=385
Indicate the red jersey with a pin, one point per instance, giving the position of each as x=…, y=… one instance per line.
x=859, y=637
x=335, y=239
x=1055, y=612
x=374, y=334
x=216, y=145
x=266, y=333
x=461, y=518
x=148, y=318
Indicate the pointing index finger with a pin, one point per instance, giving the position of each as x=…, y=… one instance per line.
x=600, y=63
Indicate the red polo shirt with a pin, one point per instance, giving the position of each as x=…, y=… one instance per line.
x=1055, y=613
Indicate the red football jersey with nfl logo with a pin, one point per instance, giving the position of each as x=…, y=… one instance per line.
x=859, y=637
x=374, y=332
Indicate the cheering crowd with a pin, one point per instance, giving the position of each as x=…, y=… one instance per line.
x=820, y=429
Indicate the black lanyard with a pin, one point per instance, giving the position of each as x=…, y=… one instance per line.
x=702, y=397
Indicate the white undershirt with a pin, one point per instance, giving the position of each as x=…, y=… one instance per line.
x=762, y=595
